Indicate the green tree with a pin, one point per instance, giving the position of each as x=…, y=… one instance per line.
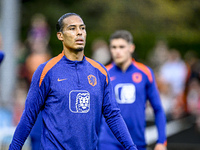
x=175, y=21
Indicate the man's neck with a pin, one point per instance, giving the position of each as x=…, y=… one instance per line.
x=74, y=55
x=124, y=66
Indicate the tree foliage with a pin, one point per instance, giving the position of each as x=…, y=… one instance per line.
x=175, y=21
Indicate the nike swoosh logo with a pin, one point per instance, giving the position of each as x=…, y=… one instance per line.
x=61, y=80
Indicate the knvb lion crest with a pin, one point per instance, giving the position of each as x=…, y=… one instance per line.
x=83, y=102
x=79, y=101
x=92, y=80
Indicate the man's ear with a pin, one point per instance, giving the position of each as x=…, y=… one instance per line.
x=132, y=48
x=60, y=36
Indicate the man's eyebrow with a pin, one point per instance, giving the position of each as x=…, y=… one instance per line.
x=75, y=25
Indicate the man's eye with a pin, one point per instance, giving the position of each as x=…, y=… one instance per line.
x=82, y=28
x=72, y=28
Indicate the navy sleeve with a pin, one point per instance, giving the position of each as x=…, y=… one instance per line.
x=33, y=104
x=114, y=119
x=160, y=118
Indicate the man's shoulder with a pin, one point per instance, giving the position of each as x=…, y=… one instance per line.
x=97, y=65
x=47, y=66
x=141, y=66
x=109, y=66
x=144, y=69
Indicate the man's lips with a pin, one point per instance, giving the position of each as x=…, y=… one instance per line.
x=118, y=57
x=79, y=40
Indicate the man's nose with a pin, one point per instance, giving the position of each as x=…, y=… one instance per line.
x=79, y=32
x=118, y=49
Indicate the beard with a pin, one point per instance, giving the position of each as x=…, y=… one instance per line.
x=79, y=49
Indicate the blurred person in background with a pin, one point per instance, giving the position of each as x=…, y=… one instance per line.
x=100, y=51
x=72, y=92
x=133, y=84
x=191, y=98
x=32, y=55
x=38, y=40
x=4, y=113
x=173, y=74
x=166, y=97
x=5, y=116
x=158, y=56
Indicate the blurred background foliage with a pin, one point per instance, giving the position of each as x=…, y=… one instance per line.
x=176, y=22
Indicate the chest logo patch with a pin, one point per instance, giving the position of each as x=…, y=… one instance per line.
x=125, y=93
x=92, y=80
x=137, y=77
x=79, y=101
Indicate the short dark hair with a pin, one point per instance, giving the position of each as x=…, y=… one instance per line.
x=59, y=24
x=122, y=34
